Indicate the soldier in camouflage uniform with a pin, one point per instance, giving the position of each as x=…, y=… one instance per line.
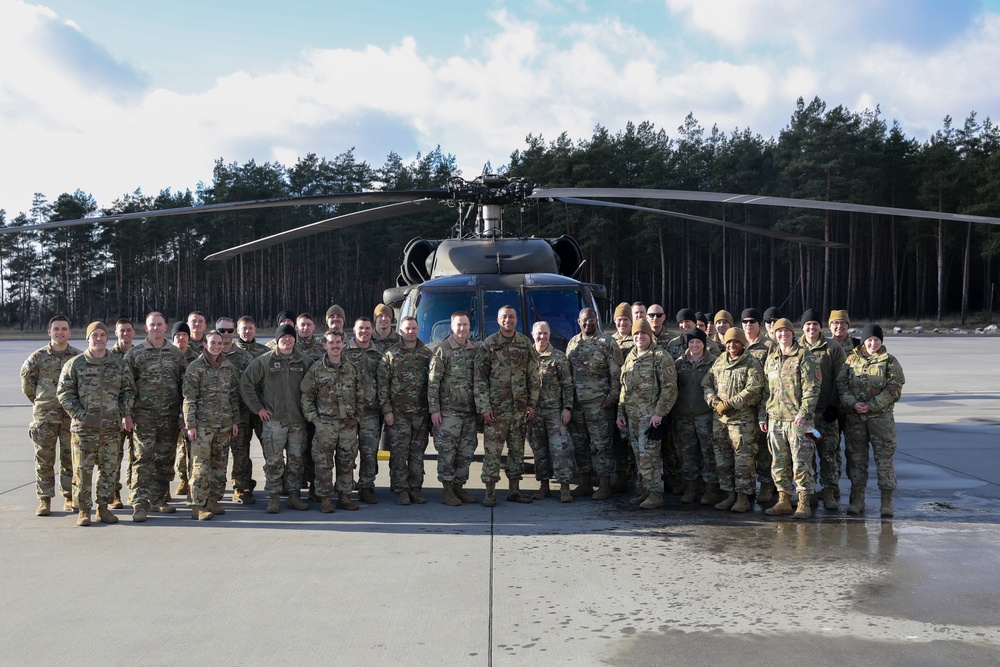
x=506, y=387
x=333, y=395
x=365, y=356
x=596, y=361
x=180, y=335
x=250, y=423
x=197, y=323
x=96, y=390
x=830, y=358
x=623, y=327
x=648, y=393
x=384, y=336
x=723, y=321
x=239, y=444
x=840, y=326
x=124, y=332
x=657, y=318
x=691, y=420
x=870, y=383
x=402, y=391
x=211, y=415
x=686, y=324
x=759, y=345
x=548, y=436
x=786, y=415
x=157, y=369
x=270, y=387
x=50, y=425
x=452, y=403
x=671, y=463
x=624, y=459
x=305, y=341
x=733, y=387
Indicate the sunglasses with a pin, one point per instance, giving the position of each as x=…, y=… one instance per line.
x=654, y=314
x=221, y=330
x=770, y=321
x=750, y=321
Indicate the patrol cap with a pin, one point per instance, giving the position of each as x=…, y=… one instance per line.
x=811, y=315
x=749, y=313
x=383, y=309
x=94, y=326
x=734, y=333
x=772, y=313
x=840, y=315
x=685, y=314
x=284, y=330
x=623, y=309
x=693, y=334
x=723, y=315
x=286, y=315
x=335, y=310
x=642, y=326
x=180, y=327
x=784, y=323
x=872, y=330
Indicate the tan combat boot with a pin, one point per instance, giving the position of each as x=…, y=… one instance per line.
x=727, y=502
x=83, y=519
x=586, y=487
x=804, y=508
x=68, y=505
x=116, y=501
x=782, y=507
x=201, y=514
x=139, y=513
x=326, y=506
x=44, y=507
x=690, y=492
x=273, y=503
x=603, y=489
x=402, y=497
x=462, y=494
x=652, y=501
x=711, y=495
x=544, y=491
x=514, y=494
x=416, y=497
x=830, y=501
x=295, y=502
x=766, y=494
x=491, y=495
x=565, y=495
x=183, y=488
x=367, y=496
x=344, y=502
x=857, y=505
x=886, y=509
x=105, y=515
x=448, y=496
x=214, y=507
x=742, y=503
x=163, y=507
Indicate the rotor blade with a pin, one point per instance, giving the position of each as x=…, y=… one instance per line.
x=728, y=198
x=784, y=236
x=310, y=200
x=339, y=222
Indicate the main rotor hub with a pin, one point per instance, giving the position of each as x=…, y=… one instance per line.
x=491, y=189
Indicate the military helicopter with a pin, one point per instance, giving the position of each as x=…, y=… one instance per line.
x=484, y=266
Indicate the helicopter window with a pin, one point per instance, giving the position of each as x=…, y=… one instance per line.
x=434, y=311
x=560, y=308
x=493, y=302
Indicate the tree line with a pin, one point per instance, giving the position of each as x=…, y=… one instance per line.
x=895, y=267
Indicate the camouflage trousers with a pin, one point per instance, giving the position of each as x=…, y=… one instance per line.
x=792, y=453
x=648, y=453
x=284, y=447
x=209, y=461
x=407, y=445
x=624, y=456
x=763, y=459
x=239, y=447
x=90, y=450
x=369, y=432
x=592, y=431
x=735, y=450
x=880, y=431
x=508, y=427
x=126, y=445
x=828, y=453
x=335, y=446
x=183, y=457
x=50, y=438
x=455, y=441
x=154, y=445
x=693, y=441
x=551, y=446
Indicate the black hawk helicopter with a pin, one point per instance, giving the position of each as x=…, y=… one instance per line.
x=485, y=266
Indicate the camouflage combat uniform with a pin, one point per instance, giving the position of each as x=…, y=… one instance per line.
x=366, y=360
x=183, y=446
x=50, y=425
x=739, y=382
x=830, y=358
x=691, y=420
x=157, y=374
x=760, y=348
x=384, y=343
x=625, y=342
x=648, y=387
x=792, y=387
x=550, y=441
x=402, y=390
x=878, y=381
x=624, y=457
x=242, y=476
x=97, y=393
x=596, y=362
x=211, y=407
x=506, y=383
x=333, y=395
x=272, y=381
x=254, y=349
x=126, y=441
x=450, y=391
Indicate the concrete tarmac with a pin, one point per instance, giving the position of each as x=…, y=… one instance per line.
x=588, y=583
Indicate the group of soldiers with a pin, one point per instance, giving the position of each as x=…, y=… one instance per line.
x=690, y=411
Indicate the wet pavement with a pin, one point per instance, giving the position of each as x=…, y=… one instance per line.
x=546, y=583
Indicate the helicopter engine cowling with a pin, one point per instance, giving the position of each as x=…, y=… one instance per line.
x=568, y=254
x=418, y=258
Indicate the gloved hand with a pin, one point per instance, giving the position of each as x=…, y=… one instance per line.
x=722, y=407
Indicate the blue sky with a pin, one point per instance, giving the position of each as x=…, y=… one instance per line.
x=115, y=95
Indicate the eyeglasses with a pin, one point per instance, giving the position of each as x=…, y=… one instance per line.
x=750, y=321
x=770, y=321
x=221, y=330
x=654, y=314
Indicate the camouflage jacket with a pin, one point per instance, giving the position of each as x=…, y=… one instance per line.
x=677, y=349
x=506, y=374
x=597, y=367
x=272, y=381
x=190, y=355
x=118, y=350
x=40, y=379
x=332, y=392
x=366, y=360
x=625, y=343
x=847, y=345
x=738, y=381
x=876, y=380
x=792, y=385
x=238, y=357
x=384, y=343
x=253, y=348
x=830, y=357
x=402, y=379
x=555, y=387
x=690, y=394
x=96, y=393
x=211, y=395
x=157, y=375
x=311, y=347
x=649, y=383
x=197, y=344
x=451, y=380
x=761, y=348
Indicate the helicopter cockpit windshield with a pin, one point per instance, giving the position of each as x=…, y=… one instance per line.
x=434, y=310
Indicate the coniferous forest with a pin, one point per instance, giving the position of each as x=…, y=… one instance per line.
x=896, y=268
